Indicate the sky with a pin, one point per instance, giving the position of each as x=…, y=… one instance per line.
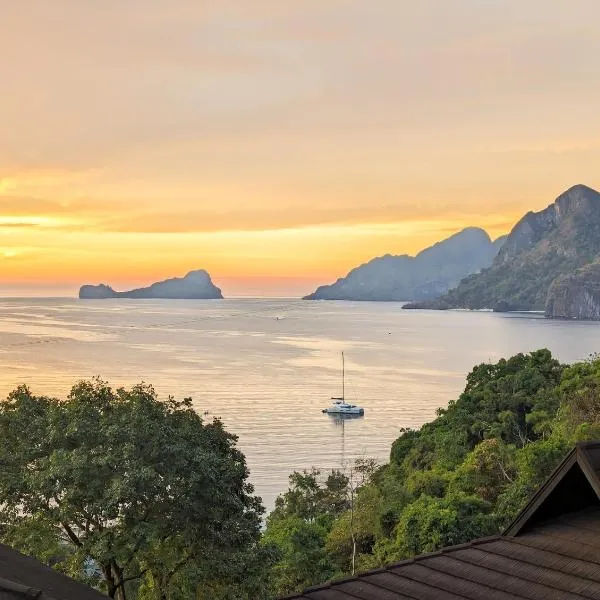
x=279, y=144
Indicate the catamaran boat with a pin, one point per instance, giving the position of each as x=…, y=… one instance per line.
x=340, y=406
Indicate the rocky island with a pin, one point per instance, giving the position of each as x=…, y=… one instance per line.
x=196, y=285
x=550, y=262
x=429, y=274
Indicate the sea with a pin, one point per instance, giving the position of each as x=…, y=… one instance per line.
x=268, y=367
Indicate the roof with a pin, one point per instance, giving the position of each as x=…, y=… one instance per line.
x=551, y=550
x=23, y=577
x=574, y=485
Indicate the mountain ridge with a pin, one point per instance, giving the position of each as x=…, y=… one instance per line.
x=543, y=247
x=428, y=274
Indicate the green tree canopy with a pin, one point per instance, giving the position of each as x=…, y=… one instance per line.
x=136, y=495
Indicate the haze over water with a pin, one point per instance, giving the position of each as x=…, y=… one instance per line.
x=268, y=367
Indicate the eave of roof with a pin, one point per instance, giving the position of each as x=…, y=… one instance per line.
x=408, y=561
x=27, y=575
x=19, y=590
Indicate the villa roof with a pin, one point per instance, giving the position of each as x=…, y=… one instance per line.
x=551, y=550
x=23, y=577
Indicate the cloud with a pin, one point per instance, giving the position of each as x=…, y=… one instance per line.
x=31, y=206
x=12, y=255
x=17, y=205
x=92, y=82
x=17, y=225
x=124, y=121
x=206, y=221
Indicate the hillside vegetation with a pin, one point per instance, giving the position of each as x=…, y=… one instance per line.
x=462, y=476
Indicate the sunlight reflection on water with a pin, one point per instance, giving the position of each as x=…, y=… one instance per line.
x=268, y=377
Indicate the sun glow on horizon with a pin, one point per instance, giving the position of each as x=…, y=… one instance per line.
x=252, y=262
x=33, y=221
x=304, y=141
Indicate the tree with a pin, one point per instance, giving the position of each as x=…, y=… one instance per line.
x=488, y=470
x=432, y=523
x=359, y=474
x=299, y=525
x=303, y=560
x=310, y=498
x=134, y=491
x=353, y=534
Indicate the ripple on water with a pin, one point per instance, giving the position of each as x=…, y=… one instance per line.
x=268, y=367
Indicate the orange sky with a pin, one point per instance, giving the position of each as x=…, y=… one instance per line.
x=279, y=144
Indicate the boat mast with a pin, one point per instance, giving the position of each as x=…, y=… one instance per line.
x=343, y=378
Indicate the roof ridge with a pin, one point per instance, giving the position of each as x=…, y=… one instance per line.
x=401, y=563
x=408, y=561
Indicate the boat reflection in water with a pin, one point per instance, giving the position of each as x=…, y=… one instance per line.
x=339, y=421
x=341, y=418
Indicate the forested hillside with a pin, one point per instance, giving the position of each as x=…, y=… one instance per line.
x=464, y=475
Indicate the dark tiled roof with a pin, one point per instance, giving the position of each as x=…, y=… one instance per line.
x=23, y=577
x=550, y=552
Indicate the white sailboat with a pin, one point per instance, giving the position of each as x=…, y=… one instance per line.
x=340, y=406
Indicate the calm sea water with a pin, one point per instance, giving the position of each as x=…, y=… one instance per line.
x=268, y=367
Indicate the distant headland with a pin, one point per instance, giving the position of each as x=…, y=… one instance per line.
x=428, y=275
x=196, y=285
x=550, y=262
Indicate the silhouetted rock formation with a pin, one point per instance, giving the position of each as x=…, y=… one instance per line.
x=429, y=274
x=196, y=285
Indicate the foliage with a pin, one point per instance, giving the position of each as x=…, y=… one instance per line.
x=135, y=495
x=464, y=475
x=430, y=523
x=300, y=525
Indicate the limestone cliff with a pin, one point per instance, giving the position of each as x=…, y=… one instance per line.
x=575, y=296
x=542, y=246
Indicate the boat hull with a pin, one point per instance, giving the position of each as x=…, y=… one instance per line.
x=334, y=410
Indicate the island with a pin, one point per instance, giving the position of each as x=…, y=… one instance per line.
x=196, y=285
